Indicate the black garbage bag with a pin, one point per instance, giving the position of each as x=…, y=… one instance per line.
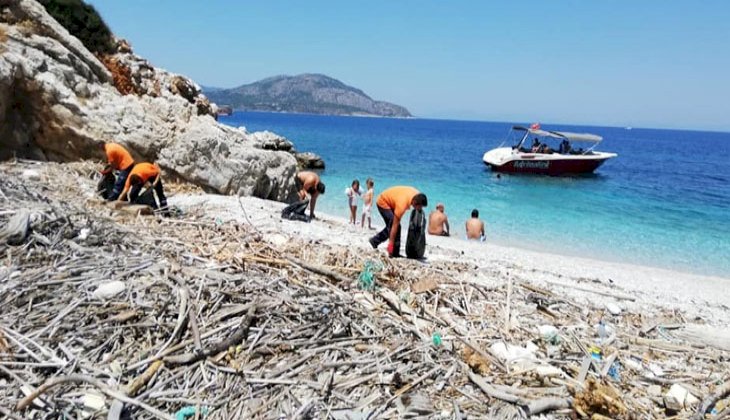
x=416, y=239
x=296, y=211
x=147, y=198
x=106, y=185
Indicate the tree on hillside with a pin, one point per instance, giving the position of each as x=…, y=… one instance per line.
x=84, y=22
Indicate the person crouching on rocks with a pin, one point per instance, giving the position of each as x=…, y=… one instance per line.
x=142, y=174
x=118, y=159
x=308, y=183
x=392, y=205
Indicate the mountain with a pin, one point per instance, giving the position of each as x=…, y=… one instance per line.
x=305, y=93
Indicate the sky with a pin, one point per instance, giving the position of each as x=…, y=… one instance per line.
x=649, y=63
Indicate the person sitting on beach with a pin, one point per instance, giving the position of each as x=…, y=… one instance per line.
x=367, y=203
x=352, y=193
x=308, y=183
x=437, y=220
x=475, y=227
x=392, y=205
x=118, y=159
x=141, y=174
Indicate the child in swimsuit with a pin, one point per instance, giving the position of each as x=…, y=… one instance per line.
x=367, y=200
x=352, y=194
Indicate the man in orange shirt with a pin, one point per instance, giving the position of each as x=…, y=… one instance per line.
x=118, y=159
x=140, y=175
x=392, y=204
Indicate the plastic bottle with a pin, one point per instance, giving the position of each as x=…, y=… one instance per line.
x=602, y=332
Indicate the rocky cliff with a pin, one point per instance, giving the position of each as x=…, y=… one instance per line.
x=306, y=93
x=58, y=101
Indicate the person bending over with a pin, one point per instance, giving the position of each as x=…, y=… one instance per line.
x=475, y=227
x=392, y=205
x=438, y=222
x=308, y=183
x=141, y=174
x=118, y=159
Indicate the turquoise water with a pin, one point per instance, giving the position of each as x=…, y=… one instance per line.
x=664, y=202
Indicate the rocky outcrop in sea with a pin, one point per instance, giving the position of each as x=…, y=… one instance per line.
x=58, y=101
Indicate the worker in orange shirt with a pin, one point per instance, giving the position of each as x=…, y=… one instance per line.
x=141, y=174
x=392, y=204
x=118, y=159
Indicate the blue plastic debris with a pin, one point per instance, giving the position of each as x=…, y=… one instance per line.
x=189, y=411
x=366, y=279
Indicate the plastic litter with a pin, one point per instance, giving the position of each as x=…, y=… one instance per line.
x=189, y=411
x=682, y=396
x=110, y=289
x=603, y=331
x=83, y=234
x=548, y=371
x=655, y=369
x=95, y=402
x=596, y=353
x=522, y=357
x=366, y=280
x=436, y=339
x=613, y=309
x=614, y=372
x=31, y=174
x=549, y=334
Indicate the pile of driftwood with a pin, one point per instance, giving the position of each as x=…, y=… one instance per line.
x=110, y=314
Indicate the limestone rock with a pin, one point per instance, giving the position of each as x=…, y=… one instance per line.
x=270, y=141
x=205, y=155
x=309, y=160
x=58, y=102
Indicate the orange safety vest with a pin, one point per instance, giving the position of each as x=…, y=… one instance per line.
x=398, y=199
x=146, y=171
x=118, y=157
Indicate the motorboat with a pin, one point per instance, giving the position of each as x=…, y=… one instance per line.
x=543, y=157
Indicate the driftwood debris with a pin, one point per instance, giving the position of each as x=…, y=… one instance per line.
x=214, y=318
x=17, y=228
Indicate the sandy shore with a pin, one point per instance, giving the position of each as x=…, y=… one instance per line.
x=638, y=288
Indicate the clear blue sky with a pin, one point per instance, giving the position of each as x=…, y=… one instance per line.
x=648, y=63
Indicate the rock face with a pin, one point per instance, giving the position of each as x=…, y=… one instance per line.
x=58, y=102
x=309, y=160
x=306, y=93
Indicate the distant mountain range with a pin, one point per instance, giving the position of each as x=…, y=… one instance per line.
x=305, y=93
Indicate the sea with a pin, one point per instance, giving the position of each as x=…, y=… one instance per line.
x=663, y=202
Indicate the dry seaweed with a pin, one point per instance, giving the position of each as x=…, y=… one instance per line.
x=105, y=313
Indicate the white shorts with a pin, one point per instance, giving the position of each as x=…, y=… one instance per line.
x=366, y=210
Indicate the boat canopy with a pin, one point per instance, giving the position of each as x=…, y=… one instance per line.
x=561, y=134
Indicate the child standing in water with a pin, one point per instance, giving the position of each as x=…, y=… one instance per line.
x=352, y=194
x=367, y=201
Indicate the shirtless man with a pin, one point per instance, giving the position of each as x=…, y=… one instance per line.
x=475, y=227
x=309, y=183
x=437, y=220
